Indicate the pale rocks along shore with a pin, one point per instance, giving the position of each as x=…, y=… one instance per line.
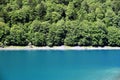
x=59, y=48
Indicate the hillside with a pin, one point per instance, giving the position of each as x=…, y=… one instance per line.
x=60, y=22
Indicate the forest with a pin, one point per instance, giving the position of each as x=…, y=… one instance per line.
x=60, y=22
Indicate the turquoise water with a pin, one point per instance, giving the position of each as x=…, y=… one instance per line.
x=60, y=65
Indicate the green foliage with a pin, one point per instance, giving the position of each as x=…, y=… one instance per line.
x=56, y=34
x=115, y=5
x=113, y=36
x=38, y=32
x=4, y=30
x=60, y=22
x=17, y=36
x=71, y=13
x=21, y=15
x=39, y=39
x=40, y=10
x=99, y=33
x=73, y=33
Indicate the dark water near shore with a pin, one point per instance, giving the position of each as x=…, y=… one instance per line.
x=60, y=65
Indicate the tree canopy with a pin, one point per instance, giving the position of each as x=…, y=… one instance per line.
x=60, y=22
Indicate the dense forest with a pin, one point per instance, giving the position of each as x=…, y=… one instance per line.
x=60, y=22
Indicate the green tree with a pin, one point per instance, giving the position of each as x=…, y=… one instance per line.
x=113, y=36
x=17, y=36
x=4, y=30
x=71, y=13
x=99, y=34
x=39, y=39
x=109, y=16
x=60, y=22
x=73, y=33
x=38, y=32
x=115, y=5
x=56, y=34
x=21, y=15
x=19, y=3
x=40, y=10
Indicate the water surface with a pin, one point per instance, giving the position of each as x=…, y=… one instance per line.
x=60, y=65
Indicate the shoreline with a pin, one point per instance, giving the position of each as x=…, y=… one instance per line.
x=59, y=48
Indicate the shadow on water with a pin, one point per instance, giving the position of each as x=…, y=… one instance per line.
x=1, y=76
x=117, y=77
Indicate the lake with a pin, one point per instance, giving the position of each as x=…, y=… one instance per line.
x=60, y=65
